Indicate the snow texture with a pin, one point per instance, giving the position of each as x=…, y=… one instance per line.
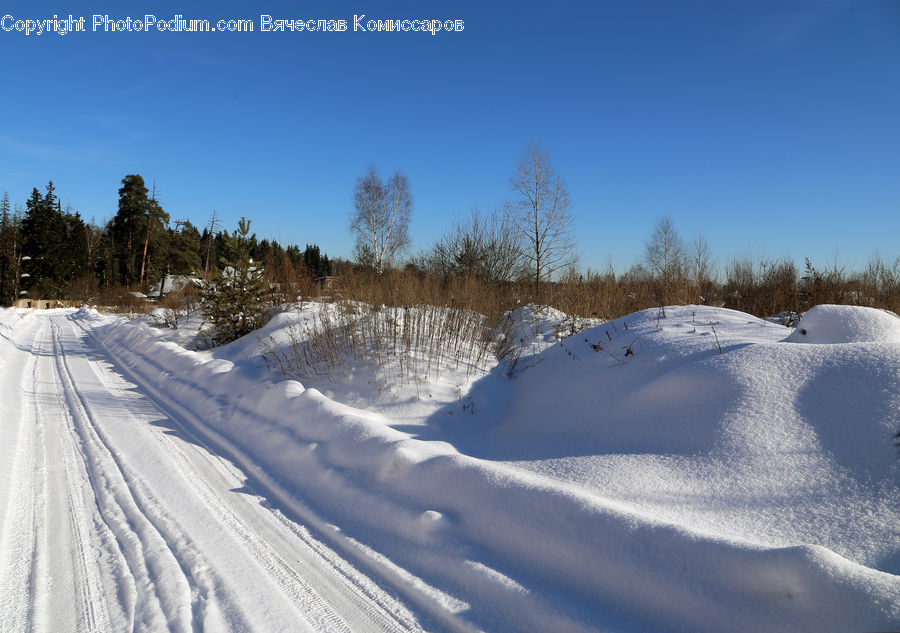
x=847, y=324
x=686, y=469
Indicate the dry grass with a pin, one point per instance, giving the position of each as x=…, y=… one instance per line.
x=408, y=326
x=402, y=326
x=396, y=345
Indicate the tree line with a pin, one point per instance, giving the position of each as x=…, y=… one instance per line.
x=530, y=237
x=49, y=251
x=525, y=251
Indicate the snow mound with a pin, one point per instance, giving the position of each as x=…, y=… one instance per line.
x=705, y=418
x=846, y=324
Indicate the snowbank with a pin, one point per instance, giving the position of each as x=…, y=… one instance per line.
x=773, y=443
x=846, y=324
x=554, y=550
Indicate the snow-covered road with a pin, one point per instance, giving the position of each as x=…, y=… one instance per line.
x=116, y=517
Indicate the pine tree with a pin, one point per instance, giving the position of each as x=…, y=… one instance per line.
x=157, y=241
x=139, y=234
x=239, y=299
x=124, y=228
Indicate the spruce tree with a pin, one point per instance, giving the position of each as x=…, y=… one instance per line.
x=223, y=247
x=315, y=261
x=33, y=241
x=43, y=244
x=237, y=302
x=186, y=250
x=312, y=260
x=9, y=242
x=75, y=247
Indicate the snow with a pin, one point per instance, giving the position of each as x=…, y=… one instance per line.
x=685, y=469
x=774, y=443
x=829, y=324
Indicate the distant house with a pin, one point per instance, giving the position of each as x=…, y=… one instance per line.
x=180, y=285
x=327, y=283
x=38, y=304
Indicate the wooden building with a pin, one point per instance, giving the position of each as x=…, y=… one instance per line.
x=38, y=304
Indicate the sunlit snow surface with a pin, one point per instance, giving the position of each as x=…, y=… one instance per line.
x=686, y=469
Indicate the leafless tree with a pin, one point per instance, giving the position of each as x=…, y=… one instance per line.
x=486, y=246
x=701, y=265
x=541, y=210
x=380, y=218
x=214, y=223
x=665, y=256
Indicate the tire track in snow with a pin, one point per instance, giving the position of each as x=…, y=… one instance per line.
x=81, y=576
x=170, y=574
x=51, y=583
x=273, y=542
x=346, y=556
x=308, y=602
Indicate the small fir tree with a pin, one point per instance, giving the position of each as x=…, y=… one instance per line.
x=237, y=301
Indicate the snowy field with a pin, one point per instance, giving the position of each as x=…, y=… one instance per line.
x=693, y=469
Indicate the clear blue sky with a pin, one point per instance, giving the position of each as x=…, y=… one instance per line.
x=772, y=127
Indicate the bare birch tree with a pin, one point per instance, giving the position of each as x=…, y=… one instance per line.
x=701, y=265
x=666, y=258
x=380, y=218
x=542, y=212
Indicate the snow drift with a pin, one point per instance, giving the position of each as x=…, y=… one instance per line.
x=847, y=324
x=684, y=471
